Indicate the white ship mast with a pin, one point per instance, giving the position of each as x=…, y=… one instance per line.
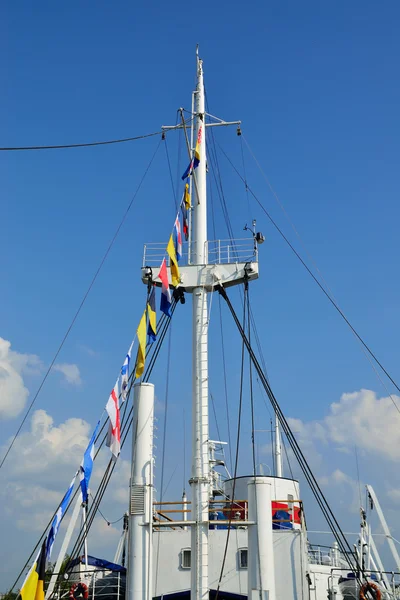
x=199, y=277
x=200, y=466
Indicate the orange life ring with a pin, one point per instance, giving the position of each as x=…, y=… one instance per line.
x=369, y=586
x=79, y=590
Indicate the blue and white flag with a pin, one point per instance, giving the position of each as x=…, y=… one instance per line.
x=58, y=517
x=85, y=470
x=125, y=375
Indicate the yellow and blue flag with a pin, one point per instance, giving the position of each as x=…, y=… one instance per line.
x=185, y=205
x=33, y=586
x=141, y=353
x=194, y=163
x=151, y=311
x=186, y=197
x=175, y=275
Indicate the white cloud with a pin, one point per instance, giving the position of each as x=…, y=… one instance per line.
x=394, y=496
x=44, y=461
x=347, y=489
x=359, y=419
x=70, y=371
x=46, y=450
x=363, y=420
x=87, y=350
x=13, y=392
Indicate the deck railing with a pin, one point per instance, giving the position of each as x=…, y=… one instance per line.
x=218, y=252
x=101, y=583
x=236, y=512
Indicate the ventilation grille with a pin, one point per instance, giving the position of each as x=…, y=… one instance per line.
x=137, y=500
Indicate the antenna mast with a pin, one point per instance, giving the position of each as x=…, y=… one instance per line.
x=200, y=278
x=200, y=466
x=278, y=449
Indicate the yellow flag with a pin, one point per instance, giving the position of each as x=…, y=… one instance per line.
x=141, y=354
x=33, y=586
x=175, y=276
x=28, y=590
x=187, y=201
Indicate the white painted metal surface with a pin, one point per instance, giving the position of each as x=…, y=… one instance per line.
x=140, y=552
x=290, y=580
x=261, y=561
x=385, y=526
x=278, y=449
x=200, y=466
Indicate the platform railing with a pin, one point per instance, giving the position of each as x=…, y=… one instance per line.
x=101, y=583
x=393, y=578
x=218, y=252
x=236, y=512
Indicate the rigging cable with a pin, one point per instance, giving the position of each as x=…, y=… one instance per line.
x=107, y=476
x=103, y=485
x=163, y=447
x=99, y=447
x=170, y=176
x=280, y=204
x=86, y=144
x=309, y=476
x=247, y=301
x=228, y=419
x=245, y=177
x=232, y=502
x=85, y=296
x=215, y=416
x=106, y=520
x=164, y=323
x=316, y=280
x=251, y=389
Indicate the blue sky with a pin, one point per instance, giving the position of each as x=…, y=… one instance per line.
x=317, y=90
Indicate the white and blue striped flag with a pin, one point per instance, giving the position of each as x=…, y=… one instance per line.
x=86, y=467
x=58, y=517
x=125, y=375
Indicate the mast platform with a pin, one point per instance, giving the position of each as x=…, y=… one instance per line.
x=229, y=262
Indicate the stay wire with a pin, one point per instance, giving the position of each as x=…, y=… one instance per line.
x=251, y=389
x=216, y=172
x=309, y=476
x=106, y=520
x=245, y=177
x=131, y=377
x=77, y=490
x=107, y=476
x=54, y=514
x=253, y=433
x=215, y=416
x=319, y=284
x=287, y=458
x=92, y=508
x=164, y=442
x=94, y=278
x=299, y=455
x=236, y=456
x=165, y=416
x=228, y=416
x=99, y=447
x=170, y=176
x=86, y=144
x=313, y=261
